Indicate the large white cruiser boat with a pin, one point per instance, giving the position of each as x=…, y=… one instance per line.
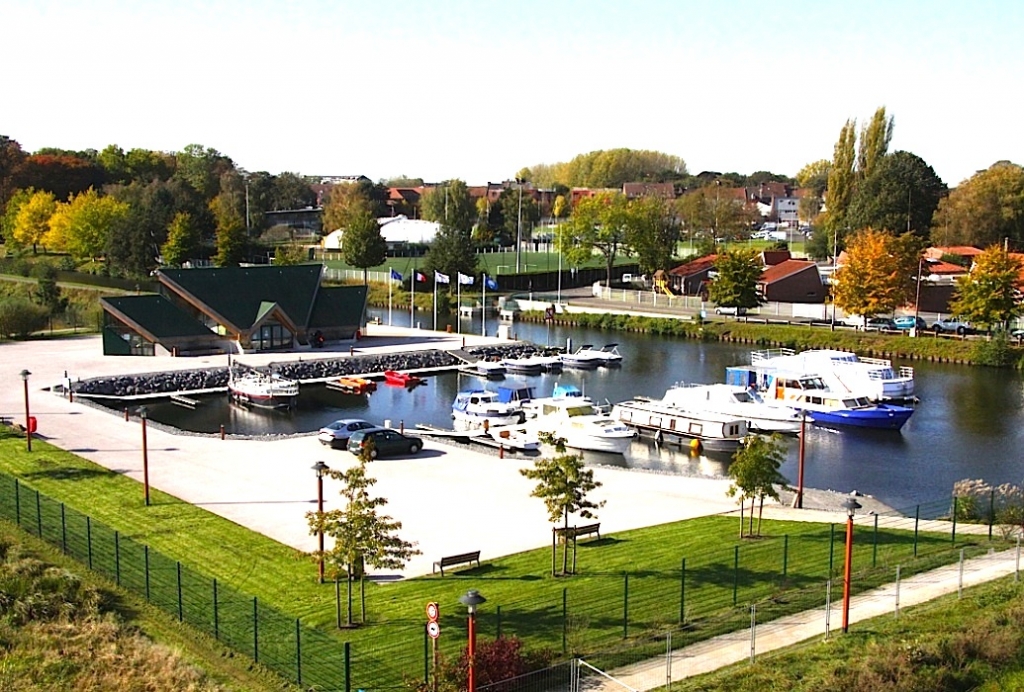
x=255, y=388
x=579, y=422
x=478, y=408
x=714, y=432
x=736, y=402
x=842, y=371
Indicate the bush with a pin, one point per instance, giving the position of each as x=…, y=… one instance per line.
x=20, y=317
x=995, y=352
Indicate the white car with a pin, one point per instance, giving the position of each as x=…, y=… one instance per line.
x=336, y=434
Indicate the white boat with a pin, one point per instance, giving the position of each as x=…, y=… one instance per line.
x=490, y=369
x=255, y=388
x=735, y=401
x=515, y=437
x=842, y=371
x=522, y=366
x=580, y=424
x=711, y=431
x=610, y=354
x=585, y=358
x=479, y=408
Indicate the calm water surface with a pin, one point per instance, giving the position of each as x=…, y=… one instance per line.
x=968, y=425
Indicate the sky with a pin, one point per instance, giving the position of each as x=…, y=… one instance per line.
x=479, y=89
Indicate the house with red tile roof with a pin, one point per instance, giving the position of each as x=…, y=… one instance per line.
x=689, y=279
x=792, y=281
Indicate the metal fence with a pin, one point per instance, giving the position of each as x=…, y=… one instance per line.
x=699, y=595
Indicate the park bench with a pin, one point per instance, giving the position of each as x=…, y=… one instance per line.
x=575, y=532
x=461, y=559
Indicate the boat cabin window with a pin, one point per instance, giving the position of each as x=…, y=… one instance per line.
x=812, y=383
x=579, y=410
x=742, y=397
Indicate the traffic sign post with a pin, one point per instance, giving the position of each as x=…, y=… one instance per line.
x=433, y=631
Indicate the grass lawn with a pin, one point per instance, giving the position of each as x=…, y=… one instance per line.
x=492, y=263
x=628, y=583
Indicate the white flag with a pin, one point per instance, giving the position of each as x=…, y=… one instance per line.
x=440, y=278
x=465, y=280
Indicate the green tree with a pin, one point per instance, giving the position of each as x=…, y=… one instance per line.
x=82, y=226
x=202, y=167
x=231, y=236
x=901, y=194
x=563, y=484
x=875, y=136
x=652, y=233
x=32, y=220
x=878, y=275
x=598, y=224
x=450, y=253
x=449, y=204
x=509, y=203
x=363, y=245
x=814, y=177
x=19, y=317
x=48, y=293
x=182, y=240
x=988, y=296
x=755, y=475
x=984, y=209
x=9, y=220
x=841, y=178
x=289, y=254
x=736, y=283
x=361, y=534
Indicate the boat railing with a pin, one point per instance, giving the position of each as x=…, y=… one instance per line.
x=766, y=354
x=876, y=361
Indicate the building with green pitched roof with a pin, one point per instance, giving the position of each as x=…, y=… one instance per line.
x=232, y=309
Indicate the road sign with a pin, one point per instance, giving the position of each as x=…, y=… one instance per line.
x=433, y=629
x=432, y=612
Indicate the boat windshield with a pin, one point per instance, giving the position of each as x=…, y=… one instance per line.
x=812, y=383
x=857, y=402
x=579, y=411
x=742, y=397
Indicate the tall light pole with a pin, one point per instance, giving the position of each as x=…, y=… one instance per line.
x=851, y=505
x=519, y=224
x=28, y=419
x=471, y=600
x=143, y=414
x=917, y=298
x=321, y=470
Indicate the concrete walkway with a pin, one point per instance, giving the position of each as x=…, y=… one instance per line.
x=738, y=647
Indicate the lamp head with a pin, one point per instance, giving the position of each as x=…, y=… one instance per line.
x=471, y=600
x=321, y=469
x=25, y=374
x=851, y=505
x=142, y=411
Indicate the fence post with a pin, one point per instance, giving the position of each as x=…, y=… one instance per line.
x=991, y=511
x=181, y=612
x=63, y=530
x=753, y=629
x=88, y=539
x=348, y=667
x=256, y=636
x=337, y=599
x=498, y=635
x=682, y=592
x=735, y=574
x=17, y=502
x=960, y=581
x=668, y=660
x=565, y=618
x=145, y=555
x=828, y=607
x=874, y=546
x=117, y=558
x=298, y=652
x=785, y=556
x=216, y=613
x=953, y=540
x=917, y=525
x=897, y=614
x=625, y=605
x=831, y=548
x=426, y=655
x=39, y=516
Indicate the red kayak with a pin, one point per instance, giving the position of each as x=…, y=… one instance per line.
x=401, y=379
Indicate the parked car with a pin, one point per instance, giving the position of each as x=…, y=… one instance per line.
x=880, y=323
x=907, y=322
x=730, y=310
x=336, y=434
x=385, y=441
x=951, y=325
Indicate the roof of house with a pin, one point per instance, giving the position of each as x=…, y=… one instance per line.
x=156, y=315
x=936, y=266
x=785, y=269
x=239, y=294
x=338, y=305
x=773, y=257
x=666, y=190
x=959, y=250
x=695, y=267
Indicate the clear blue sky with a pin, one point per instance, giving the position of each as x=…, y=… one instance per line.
x=479, y=89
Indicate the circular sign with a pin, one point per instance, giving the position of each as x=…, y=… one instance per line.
x=433, y=629
x=432, y=612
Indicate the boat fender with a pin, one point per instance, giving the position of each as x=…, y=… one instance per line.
x=695, y=445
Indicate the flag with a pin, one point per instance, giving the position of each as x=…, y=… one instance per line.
x=441, y=278
x=420, y=276
x=465, y=280
x=395, y=275
x=490, y=283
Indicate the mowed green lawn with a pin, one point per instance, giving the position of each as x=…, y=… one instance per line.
x=628, y=582
x=491, y=263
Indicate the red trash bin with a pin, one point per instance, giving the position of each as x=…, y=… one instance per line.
x=31, y=424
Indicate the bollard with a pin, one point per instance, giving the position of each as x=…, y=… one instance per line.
x=463, y=342
x=222, y=431
x=351, y=350
x=126, y=414
x=401, y=426
x=501, y=451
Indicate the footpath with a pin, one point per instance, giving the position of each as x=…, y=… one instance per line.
x=744, y=645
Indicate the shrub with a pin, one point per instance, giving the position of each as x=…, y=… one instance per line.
x=20, y=317
x=995, y=352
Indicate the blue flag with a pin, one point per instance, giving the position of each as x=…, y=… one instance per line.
x=395, y=275
x=490, y=283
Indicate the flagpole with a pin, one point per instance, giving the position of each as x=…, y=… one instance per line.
x=391, y=282
x=412, y=301
x=435, y=300
x=458, y=303
x=483, y=309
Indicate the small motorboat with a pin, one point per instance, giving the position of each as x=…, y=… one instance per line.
x=352, y=385
x=515, y=438
x=586, y=358
x=492, y=370
x=255, y=388
x=478, y=408
x=523, y=366
x=401, y=379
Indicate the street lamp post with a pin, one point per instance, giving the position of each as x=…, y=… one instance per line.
x=143, y=414
x=519, y=224
x=851, y=505
x=28, y=427
x=471, y=600
x=917, y=297
x=321, y=470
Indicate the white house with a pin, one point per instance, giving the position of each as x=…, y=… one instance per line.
x=396, y=231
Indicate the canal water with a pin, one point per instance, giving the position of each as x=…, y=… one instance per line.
x=969, y=423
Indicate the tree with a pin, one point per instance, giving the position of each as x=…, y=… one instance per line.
x=561, y=207
x=11, y=158
x=363, y=245
x=651, y=233
x=511, y=213
x=81, y=227
x=874, y=143
x=598, y=224
x=563, y=484
x=64, y=175
x=289, y=254
x=901, y=194
x=32, y=220
x=19, y=317
x=610, y=169
x=755, y=475
x=814, y=177
x=361, y=534
x=878, y=275
x=182, y=240
x=984, y=209
x=450, y=205
x=10, y=216
x=736, y=283
x=989, y=295
x=48, y=293
x=231, y=236
x=451, y=252
x=841, y=178
x=202, y=167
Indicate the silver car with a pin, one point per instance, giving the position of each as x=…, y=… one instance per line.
x=337, y=433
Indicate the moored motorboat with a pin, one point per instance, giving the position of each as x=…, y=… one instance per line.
x=523, y=366
x=492, y=370
x=713, y=432
x=352, y=385
x=735, y=401
x=479, y=408
x=585, y=358
x=580, y=424
x=255, y=388
x=843, y=371
x=401, y=379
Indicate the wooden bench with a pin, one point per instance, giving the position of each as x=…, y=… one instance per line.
x=575, y=532
x=461, y=559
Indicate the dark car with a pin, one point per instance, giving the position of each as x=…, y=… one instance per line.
x=880, y=323
x=907, y=322
x=385, y=442
x=336, y=434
